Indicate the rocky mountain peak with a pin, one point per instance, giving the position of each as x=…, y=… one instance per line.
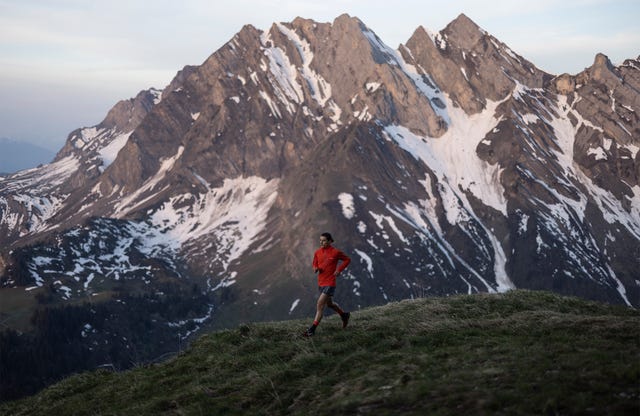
x=123, y=117
x=602, y=60
x=470, y=65
x=464, y=32
x=127, y=114
x=602, y=70
x=419, y=35
x=431, y=53
x=180, y=77
x=346, y=19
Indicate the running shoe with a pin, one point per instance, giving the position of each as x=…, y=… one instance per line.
x=345, y=319
x=309, y=332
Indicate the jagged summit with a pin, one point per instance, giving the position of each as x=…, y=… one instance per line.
x=462, y=20
x=464, y=32
x=345, y=18
x=602, y=60
x=602, y=70
x=420, y=33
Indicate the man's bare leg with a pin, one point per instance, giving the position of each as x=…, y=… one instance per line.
x=323, y=300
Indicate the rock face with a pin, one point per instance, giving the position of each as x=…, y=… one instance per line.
x=450, y=165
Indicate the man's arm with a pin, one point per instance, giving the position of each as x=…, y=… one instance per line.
x=345, y=260
x=315, y=264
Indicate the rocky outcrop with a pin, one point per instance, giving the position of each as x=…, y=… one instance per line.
x=470, y=64
x=564, y=84
x=125, y=116
x=606, y=147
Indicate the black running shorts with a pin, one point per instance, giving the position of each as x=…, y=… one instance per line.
x=329, y=290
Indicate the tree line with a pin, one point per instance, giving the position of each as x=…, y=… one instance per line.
x=127, y=330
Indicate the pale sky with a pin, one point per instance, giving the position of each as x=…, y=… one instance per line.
x=65, y=63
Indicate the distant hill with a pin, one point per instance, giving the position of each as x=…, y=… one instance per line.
x=15, y=155
x=521, y=352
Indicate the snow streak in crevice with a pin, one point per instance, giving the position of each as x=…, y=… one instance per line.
x=385, y=54
x=452, y=158
x=609, y=205
x=320, y=88
x=130, y=202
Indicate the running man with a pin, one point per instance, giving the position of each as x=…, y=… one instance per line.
x=325, y=263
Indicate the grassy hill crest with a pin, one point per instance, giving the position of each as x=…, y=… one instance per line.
x=521, y=352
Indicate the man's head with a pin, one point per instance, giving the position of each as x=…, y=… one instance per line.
x=325, y=240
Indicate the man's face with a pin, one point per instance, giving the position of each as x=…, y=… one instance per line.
x=324, y=242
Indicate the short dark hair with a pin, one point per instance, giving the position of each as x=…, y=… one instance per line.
x=327, y=236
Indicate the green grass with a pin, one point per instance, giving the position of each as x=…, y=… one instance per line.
x=516, y=353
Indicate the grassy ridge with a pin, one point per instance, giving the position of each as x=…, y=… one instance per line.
x=516, y=353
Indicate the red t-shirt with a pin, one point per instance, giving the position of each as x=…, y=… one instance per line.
x=326, y=259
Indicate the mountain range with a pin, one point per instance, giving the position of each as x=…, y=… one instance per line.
x=449, y=165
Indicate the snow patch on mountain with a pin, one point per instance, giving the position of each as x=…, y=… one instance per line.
x=294, y=305
x=228, y=218
x=611, y=208
x=33, y=189
x=367, y=260
x=348, y=208
x=275, y=111
x=194, y=323
x=530, y=118
x=39, y=210
x=320, y=88
x=283, y=74
x=371, y=87
x=131, y=201
x=453, y=159
x=157, y=95
x=381, y=52
x=109, y=153
x=82, y=259
x=42, y=179
x=420, y=79
x=87, y=135
x=381, y=218
x=598, y=153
